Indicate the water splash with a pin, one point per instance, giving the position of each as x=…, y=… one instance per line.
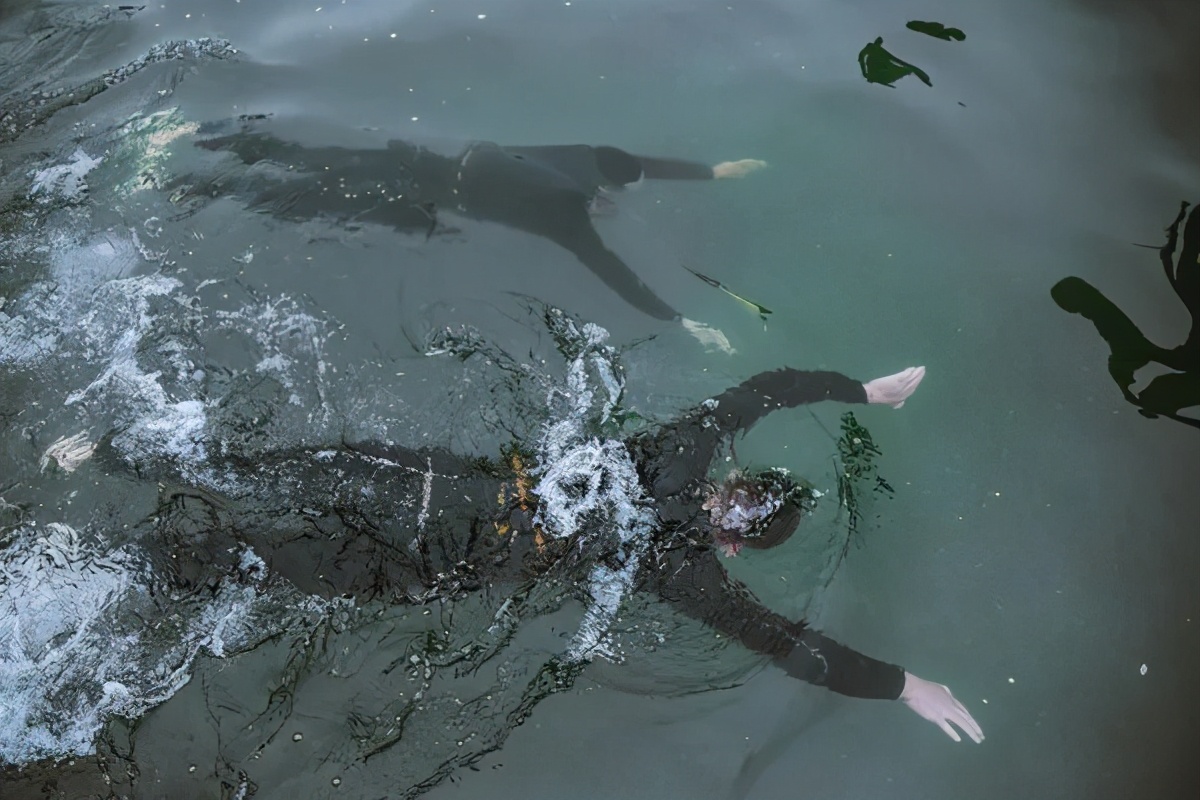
x=589, y=486
x=82, y=640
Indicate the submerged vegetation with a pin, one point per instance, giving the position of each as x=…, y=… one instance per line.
x=858, y=473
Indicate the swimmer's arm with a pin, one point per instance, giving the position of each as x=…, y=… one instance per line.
x=695, y=583
x=671, y=169
x=743, y=405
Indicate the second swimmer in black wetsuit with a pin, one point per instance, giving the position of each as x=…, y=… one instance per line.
x=378, y=521
x=550, y=191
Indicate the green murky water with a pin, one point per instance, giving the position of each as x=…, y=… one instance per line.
x=924, y=193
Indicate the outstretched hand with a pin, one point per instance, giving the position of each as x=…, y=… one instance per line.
x=737, y=169
x=934, y=702
x=893, y=390
x=712, y=338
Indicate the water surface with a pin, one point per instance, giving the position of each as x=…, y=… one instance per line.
x=1038, y=553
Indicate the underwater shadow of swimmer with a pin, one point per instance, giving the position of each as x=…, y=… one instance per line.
x=1130, y=350
x=550, y=191
x=878, y=65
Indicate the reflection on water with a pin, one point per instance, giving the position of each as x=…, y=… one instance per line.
x=1166, y=394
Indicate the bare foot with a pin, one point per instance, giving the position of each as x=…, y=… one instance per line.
x=737, y=169
x=893, y=390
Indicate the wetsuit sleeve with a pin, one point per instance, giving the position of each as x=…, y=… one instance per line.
x=575, y=233
x=684, y=450
x=671, y=169
x=737, y=409
x=695, y=583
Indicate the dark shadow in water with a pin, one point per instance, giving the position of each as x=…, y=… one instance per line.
x=880, y=66
x=937, y=30
x=1166, y=394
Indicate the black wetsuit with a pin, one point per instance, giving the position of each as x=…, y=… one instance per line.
x=372, y=521
x=548, y=191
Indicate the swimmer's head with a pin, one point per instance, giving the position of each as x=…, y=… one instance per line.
x=759, y=511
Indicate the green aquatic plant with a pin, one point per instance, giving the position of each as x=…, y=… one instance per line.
x=857, y=472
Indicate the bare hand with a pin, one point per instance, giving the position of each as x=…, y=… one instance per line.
x=737, y=169
x=712, y=338
x=934, y=702
x=893, y=390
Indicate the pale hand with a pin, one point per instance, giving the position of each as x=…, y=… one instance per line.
x=893, y=390
x=712, y=338
x=737, y=169
x=934, y=702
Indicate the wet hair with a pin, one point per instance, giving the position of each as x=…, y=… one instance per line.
x=617, y=166
x=778, y=530
x=760, y=511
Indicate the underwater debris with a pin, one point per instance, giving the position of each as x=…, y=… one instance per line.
x=762, y=311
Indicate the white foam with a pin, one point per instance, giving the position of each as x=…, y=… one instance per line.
x=33, y=325
x=72, y=652
x=70, y=657
x=56, y=590
x=591, y=485
x=291, y=341
x=65, y=180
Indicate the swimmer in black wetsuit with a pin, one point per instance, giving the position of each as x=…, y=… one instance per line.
x=377, y=521
x=549, y=191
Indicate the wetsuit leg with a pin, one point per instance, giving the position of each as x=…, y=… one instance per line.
x=350, y=185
